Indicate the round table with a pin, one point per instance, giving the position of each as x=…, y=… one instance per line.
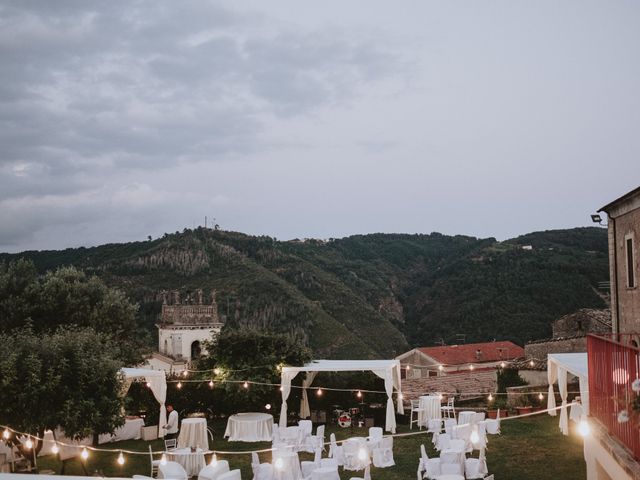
x=429, y=409
x=192, y=462
x=466, y=417
x=249, y=427
x=193, y=433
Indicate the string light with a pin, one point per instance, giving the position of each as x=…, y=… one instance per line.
x=179, y=385
x=471, y=367
x=267, y=406
x=584, y=428
x=216, y=371
x=85, y=453
x=400, y=396
x=28, y=444
x=55, y=450
x=245, y=384
x=148, y=385
x=214, y=460
x=185, y=373
x=532, y=363
x=120, y=459
x=502, y=365
x=490, y=398
x=408, y=367
x=540, y=396
x=163, y=459
x=319, y=392
x=210, y=383
x=440, y=367
x=359, y=394
x=6, y=434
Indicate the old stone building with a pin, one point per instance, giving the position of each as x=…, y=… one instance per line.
x=624, y=265
x=185, y=324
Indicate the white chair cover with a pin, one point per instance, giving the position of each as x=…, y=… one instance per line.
x=329, y=462
x=375, y=436
x=493, y=424
x=450, y=468
x=308, y=467
x=383, y=455
x=475, y=468
x=367, y=475
x=172, y=470
x=434, y=425
x=430, y=466
x=336, y=451
x=449, y=423
x=232, y=475
x=262, y=471
x=444, y=440
x=352, y=460
x=212, y=472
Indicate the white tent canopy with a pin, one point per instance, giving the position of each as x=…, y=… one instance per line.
x=558, y=366
x=157, y=384
x=389, y=370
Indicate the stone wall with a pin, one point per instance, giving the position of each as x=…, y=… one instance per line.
x=581, y=322
x=628, y=225
x=540, y=350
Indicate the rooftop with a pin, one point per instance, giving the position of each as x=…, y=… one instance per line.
x=474, y=352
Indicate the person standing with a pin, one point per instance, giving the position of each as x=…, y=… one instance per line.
x=172, y=423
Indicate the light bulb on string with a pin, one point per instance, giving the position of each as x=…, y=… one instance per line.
x=245, y=384
x=440, y=367
x=6, y=434
x=502, y=364
x=540, y=396
x=28, y=444
x=408, y=367
x=281, y=389
x=490, y=398
x=216, y=371
x=210, y=383
x=120, y=459
x=55, y=450
x=185, y=373
x=584, y=428
x=179, y=385
x=359, y=394
x=471, y=367
x=319, y=392
x=163, y=459
x=531, y=363
x=84, y=454
x=267, y=406
x=148, y=385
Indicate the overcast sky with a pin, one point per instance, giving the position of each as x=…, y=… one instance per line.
x=120, y=120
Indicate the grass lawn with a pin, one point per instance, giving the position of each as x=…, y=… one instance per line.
x=528, y=449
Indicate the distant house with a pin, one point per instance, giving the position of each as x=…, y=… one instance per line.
x=449, y=359
x=527, y=247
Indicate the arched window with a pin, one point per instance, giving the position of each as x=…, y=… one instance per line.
x=195, y=349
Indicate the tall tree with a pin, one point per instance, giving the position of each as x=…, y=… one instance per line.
x=68, y=379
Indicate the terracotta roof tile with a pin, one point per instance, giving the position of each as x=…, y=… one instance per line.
x=474, y=352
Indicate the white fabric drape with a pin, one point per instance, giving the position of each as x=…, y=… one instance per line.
x=387, y=375
x=285, y=384
x=552, y=377
x=562, y=386
x=584, y=394
x=397, y=383
x=158, y=386
x=305, y=411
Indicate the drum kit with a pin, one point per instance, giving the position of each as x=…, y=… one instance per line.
x=347, y=418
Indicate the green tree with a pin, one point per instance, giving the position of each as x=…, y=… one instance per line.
x=69, y=378
x=255, y=356
x=66, y=296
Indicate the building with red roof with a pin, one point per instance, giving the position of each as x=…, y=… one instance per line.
x=448, y=359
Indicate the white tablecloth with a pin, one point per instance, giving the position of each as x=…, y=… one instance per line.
x=429, y=409
x=249, y=427
x=192, y=462
x=193, y=433
x=286, y=465
x=466, y=417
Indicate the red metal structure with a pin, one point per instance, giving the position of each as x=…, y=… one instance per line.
x=614, y=363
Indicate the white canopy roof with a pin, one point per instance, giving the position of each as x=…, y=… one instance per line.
x=389, y=370
x=558, y=366
x=575, y=363
x=344, y=366
x=142, y=373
